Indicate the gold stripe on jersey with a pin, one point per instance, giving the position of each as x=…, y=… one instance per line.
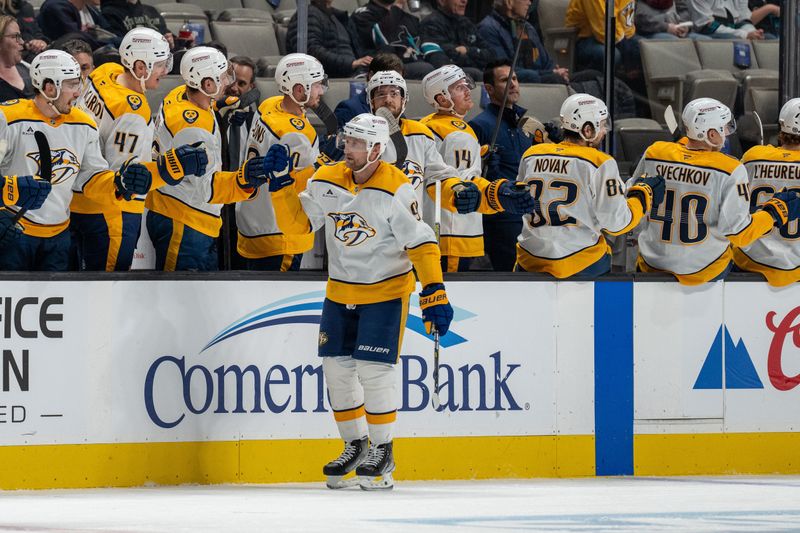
x=760, y=224
x=563, y=267
x=568, y=149
x=704, y=275
x=386, y=177
x=344, y=292
x=42, y=230
x=178, y=211
x=699, y=160
x=442, y=125
x=26, y=111
x=253, y=247
x=462, y=245
x=410, y=127
x=281, y=122
x=771, y=154
x=115, y=97
x=179, y=113
x=777, y=277
x=426, y=259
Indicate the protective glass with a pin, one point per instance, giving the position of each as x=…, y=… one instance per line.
x=165, y=64
x=351, y=144
x=382, y=94
x=463, y=85
x=321, y=86
x=71, y=85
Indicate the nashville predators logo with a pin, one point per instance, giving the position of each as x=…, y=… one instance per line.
x=297, y=123
x=10, y=102
x=459, y=124
x=351, y=228
x=65, y=164
x=136, y=102
x=413, y=170
x=323, y=338
x=190, y=116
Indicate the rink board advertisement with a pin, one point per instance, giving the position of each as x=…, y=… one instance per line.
x=234, y=365
x=717, y=369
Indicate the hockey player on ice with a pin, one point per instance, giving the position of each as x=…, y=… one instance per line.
x=706, y=206
x=776, y=256
x=579, y=195
x=282, y=120
x=375, y=235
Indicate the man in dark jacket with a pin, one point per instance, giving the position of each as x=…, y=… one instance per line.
x=383, y=26
x=124, y=15
x=500, y=231
x=458, y=36
x=58, y=18
x=328, y=40
x=501, y=29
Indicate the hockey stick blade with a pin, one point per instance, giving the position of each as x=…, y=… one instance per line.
x=249, y=98
x=399, y=141
x=45, y=165
x=672, y=122
x=327, y=117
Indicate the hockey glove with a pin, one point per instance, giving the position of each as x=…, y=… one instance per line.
x=649, y=190
x=784, y=207
x=491, y=161
x=278, y=166
x=554, y=132
x=185, y=160
x=25, y=192
x=436, y=310
x=467, y=197
x=131, y=179
x=515, y=199
x=9, y=230
x=251, y=174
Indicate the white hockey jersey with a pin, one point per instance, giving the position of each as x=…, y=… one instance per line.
x=197, y=200
x=777, y=254
x=373, y=232
x=259, y=235
x=123, y=122
x=706, y=207
x=460, y=235
x=580, y=196
x=76, y=161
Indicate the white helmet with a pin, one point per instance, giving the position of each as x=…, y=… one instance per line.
x=581, y=108
x=55, y=65
x=703, y=114
x=387, y=77
x=302, y=69
x=789, y=117
x=147, y=46
x=204, y=62
x=439, y=82
x=369, y=128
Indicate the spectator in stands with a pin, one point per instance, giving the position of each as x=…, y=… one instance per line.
x=82, y=53
x=60, y=17
x=659, y=19
x=384, y=26
x=589, y=18
x=35, y=39
x=724, y=19
x=765, y=15
x=502, y=29
x=329, y=40
x=500, y=231
x=458, y=36
x=357, y=104
x=15, y=81
x=124, y=15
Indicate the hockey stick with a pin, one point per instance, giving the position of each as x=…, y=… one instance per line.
x=760, y=128
x=437, y=227
x=45, y=165
x=399, y=141
x=672, y=123
x=327, y=117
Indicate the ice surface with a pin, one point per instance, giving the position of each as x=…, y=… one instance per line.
x=696, y=504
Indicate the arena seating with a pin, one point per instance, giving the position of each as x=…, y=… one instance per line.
x=559, y=41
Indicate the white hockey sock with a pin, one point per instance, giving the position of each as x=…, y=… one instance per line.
x=346, y=396
x=380, y=398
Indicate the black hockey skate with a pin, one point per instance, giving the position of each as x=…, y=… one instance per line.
x=375, y=473
x=353, y=455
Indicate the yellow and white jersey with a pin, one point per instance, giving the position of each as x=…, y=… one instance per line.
x=197, y=200
x=259, y=235
x=705, y=209
x=580, y=196
x=123, y=122
x=460, y=235
x=373, y=232
x=776, y=255
x=76, y=160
